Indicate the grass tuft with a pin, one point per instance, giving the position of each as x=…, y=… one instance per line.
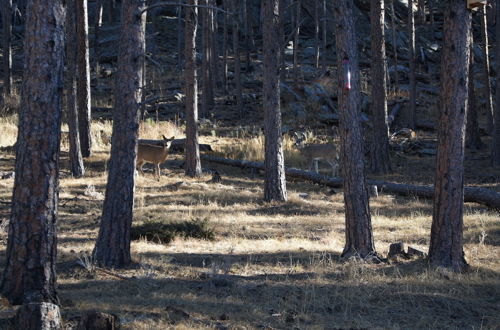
x=164, y=232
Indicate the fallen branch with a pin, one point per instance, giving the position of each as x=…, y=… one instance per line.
x=483, y=196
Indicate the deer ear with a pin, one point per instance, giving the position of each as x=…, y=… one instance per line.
x=164, y=138
x=172, y=138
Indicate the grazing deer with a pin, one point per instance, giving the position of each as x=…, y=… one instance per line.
x=149, y=153
x=315, y=152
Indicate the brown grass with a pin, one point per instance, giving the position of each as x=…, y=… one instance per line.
x=273, y=266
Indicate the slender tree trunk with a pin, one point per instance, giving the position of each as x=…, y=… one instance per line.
x=179, y=36
x=421, y=11
x=394, y=45
x=486, y=70
x=359, y=238
x=83, y=82
x=237, y=60
x=324, y=18
x=97, y=28
x=112, y=248
x=495, y=146
x=246, y=31
x=274, y=182
x=193, y=164
x=446, y=246
x=282, y=72
x=380, y=160
x=75, y=152
x=296, y=43
x=7, y=50
x=472, y=136
x=215, y=77
x=316, y=34
x=111, y=10
x=225, y=45
x=412, y=109
x=30, y=269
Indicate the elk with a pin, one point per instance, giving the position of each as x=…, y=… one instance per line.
x=315, y=152
x=155, y=154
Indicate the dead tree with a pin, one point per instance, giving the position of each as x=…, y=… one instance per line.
x=359, y=238
x=112, y=248
x=446, y=244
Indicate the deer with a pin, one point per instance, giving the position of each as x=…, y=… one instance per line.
x=315, y=152
x=155, y=154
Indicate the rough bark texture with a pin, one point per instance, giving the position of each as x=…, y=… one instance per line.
x=237, y=60
x=274, y=182
x=495, y=146
x=30, y=271
x=446, y=246
x=83, y=82
x=112, y=248
x=412, y=109
x=7, y=51
x=192, y=164
x=379, y=150
x=38, y=316
x=472, y=135
x=485, y=66
x=359, y=239
x=75, y=152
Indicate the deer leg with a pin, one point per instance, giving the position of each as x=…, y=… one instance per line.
x=157, y=170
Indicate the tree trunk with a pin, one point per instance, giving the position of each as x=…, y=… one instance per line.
x=421, y=11
x=324, y=18
x=296, y=43
x=380, y=160
x=30, y=270
x=395, y=46
x=7, y=50
x=237, y=60
x=206, y=67
x=75, y=152
x=179, y=36
x=112, y=248
x=446, y=246
x=472, y=136
x=192, y=164
x=486, y=70
x=83, y=82
x=97, y=28
x=495, y=146
x=36, y=316
x=412, y=110
x=316, y=34
x=282, y=40
x=275, y=182
x=225, y=46
x=359, y=239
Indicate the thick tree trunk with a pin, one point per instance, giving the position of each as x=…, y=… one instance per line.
x=30, y=270
x=359, y=239
x=274, y=183
x=7, y=50
x=192, y=164
x=237, y=60
x=486, y=70
x=379, y=151
x=37, y=316
x=446, y=246
x=112, y=248
x=472, y=134
x=75, y=152
x=495, y=146
x=411, y=112
x=83, y=82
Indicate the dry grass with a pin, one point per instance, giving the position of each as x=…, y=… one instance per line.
x=273, y=266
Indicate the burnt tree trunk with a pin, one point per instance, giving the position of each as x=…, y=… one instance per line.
x=274, y=182
x=30, y=270
x=412, y=110
x=83, y=82
x=75, y=152
x=486, y=70
x=193, y=163
x=472, y=134
x=112, y=248
x=495, y=145
x=379, y=151
x=359, y=238
x=446, y=245
x=7, y=50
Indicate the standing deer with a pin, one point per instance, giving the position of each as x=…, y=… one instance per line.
x=150, y=153
x=315, y=152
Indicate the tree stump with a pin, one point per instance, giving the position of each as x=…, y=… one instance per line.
x=98, y=321
x=38, y=316
x=396, y=249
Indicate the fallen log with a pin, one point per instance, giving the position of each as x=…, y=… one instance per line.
x=483, y=196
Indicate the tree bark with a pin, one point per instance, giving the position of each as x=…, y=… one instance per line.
x=446, y=246
x=83, y=82
x=193, y=163
x=7, y=50
x=296, y=43
x=412, y=110
x=97, y=28
x=394, y=46
x=179, y=37
x=112, y=248
x=472, y=134
x=359, y=238
x=30, y=271
x=495, y=146
x=324, y=18
x=36, y=316
x=75, y=151
x=237, y=60
x=316, y=34
x=486, y=70
x=379, y=151
x=206, y=67
x=282, y=41
x=275, y=182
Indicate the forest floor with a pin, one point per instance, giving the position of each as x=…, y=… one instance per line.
x=270, y=266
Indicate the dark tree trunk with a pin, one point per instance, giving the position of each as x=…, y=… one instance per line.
x=237, y=60
x=30, y=270
x=412, y=109
x=179, y=37
x=214, y=48
x=192, y=164
x=472, y=135
x=225, y=45
x=298, y=19
x=97, y=28
x=36, y=316
x=395, y=46
x=111, y=10
x=446, y=246
x=316, y=34
x=206, y=68
x=83, y=82
x=379, y=151
x=7, y=50
x=495, y=146
x=486, y=70
x=282, y=44
x=324, y=18
x=275, y=182
x=112, y=248
x=75, y=152
x=359, y=238
x=421, y=11
x=246, y=27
